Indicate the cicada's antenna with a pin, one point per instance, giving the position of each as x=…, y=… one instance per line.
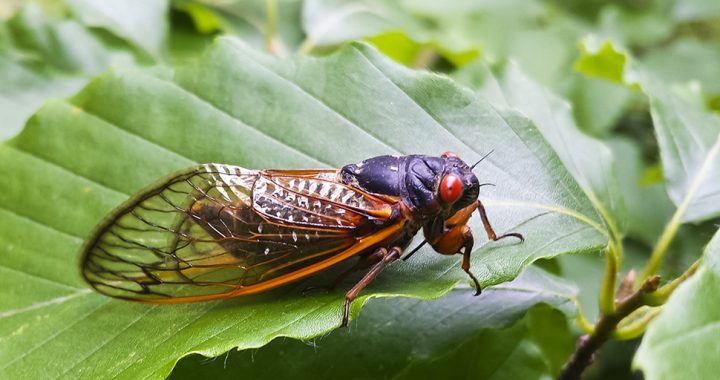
x=481, y=159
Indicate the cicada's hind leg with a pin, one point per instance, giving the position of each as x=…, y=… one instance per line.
x=382, y=258
x=364, y=262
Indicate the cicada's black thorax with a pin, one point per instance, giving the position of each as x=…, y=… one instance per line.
x=415, y=179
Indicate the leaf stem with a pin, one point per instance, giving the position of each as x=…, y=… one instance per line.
x=607, y=286
x=306, y=46
x=658, y=253
x=613, y=258
x=271, y=26
x=636, y=310
x=637, y=327
x=589, y=344
x=582, y=322
x=661, y=295
x=671, y=229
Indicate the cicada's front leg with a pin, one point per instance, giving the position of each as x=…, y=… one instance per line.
x=488, y=228
x=458, y=240
x=457, y=237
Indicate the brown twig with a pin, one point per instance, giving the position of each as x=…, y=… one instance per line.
x=589, y=344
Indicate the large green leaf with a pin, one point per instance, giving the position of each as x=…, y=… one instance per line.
x=43, y=56
x=142, y=22
x=331, y=22
x=684, y=60
x=689, y=139
x=78, y=159
x=597, y=104
x=23, y=90
x=687, y=134
x=248, y=19
x=682, y=341
x=693, y=10
x=539, y=36
x=589, y=160
x=405, y=338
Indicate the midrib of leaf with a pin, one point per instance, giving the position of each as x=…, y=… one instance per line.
x=700, y=176
x=538, y=291
x=552, y=208
x=39, y=305
x=36, y=278
x=677, y=219
x=568, y=192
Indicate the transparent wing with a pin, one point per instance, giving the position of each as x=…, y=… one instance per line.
x=218, y=231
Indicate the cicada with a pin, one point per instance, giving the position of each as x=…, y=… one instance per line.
x=218, y=231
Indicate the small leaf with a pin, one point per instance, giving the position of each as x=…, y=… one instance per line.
x=685, y=60
x=637, y=29
x=682, y=341
x=331, y=22
x=46, y=57
x=695, y=10
x=248, y=19
x=78, y=159
x=602, y=60
x=689, y=139
x=142, y=22
x=468, y=337
x=598, y=104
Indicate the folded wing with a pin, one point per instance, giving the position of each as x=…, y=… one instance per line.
x=217, y=231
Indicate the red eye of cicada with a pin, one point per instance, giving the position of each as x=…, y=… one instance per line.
x=451, y=188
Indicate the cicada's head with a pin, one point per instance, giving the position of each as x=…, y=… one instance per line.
x=439, y=186
x=458, y=187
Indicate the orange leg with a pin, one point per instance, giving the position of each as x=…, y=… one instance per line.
x=459, y=239
x=363, y=263
x=488, y=228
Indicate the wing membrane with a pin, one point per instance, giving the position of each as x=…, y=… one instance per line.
x=218, y=231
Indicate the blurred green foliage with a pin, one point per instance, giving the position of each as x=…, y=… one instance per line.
x=625, y=92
